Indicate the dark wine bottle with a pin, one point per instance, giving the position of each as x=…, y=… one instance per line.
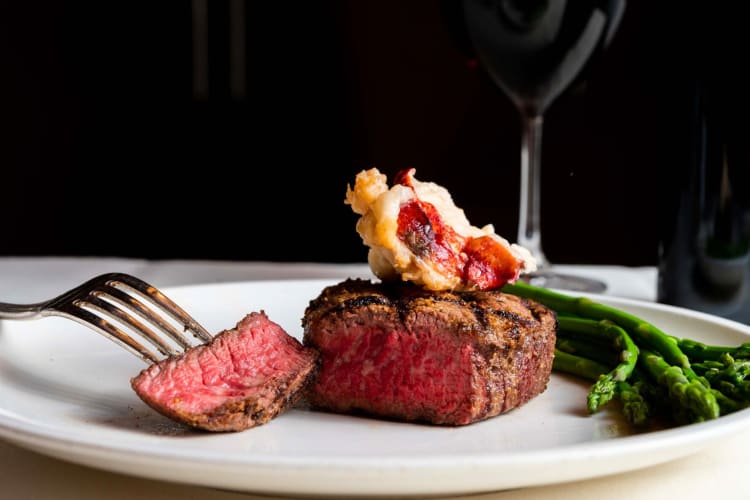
x=704, y=232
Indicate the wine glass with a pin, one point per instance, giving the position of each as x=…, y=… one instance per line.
x=533, y=50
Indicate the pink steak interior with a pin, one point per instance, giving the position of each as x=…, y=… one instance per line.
x=247, y=362
x=419, y=373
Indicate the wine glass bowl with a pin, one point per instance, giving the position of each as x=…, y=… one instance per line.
x=533, y=50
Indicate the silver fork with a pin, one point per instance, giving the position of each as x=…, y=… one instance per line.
x=120, y=297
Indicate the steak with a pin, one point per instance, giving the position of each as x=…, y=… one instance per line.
x=245, y=377
x=397, y=351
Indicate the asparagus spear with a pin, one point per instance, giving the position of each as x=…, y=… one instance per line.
x=604, y=388
x=635, y=408
x=644, y=332
x=634, y=405
x=698, y=351
x=728, y=375
x=697, y=380
x=727, y=404
x=692, y=400
x=593, y=351
x=577, y=365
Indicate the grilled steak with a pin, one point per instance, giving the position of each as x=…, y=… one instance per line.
x=243, y=378
x=399, y=352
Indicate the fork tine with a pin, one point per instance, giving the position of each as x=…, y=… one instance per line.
x=144, y=312
x=155, y=296
x=109, y=330
x=105, y=307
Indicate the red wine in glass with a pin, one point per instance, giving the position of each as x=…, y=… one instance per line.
x=533, y=50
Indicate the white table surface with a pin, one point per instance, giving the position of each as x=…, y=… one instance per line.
x=721, y=471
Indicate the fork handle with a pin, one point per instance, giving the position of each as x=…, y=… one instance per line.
x=19, y=311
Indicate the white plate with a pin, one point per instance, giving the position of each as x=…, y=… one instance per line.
x=64, y=391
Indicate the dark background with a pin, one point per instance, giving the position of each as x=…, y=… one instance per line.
x=118, y=140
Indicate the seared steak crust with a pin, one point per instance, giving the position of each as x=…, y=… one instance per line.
x=397, y=351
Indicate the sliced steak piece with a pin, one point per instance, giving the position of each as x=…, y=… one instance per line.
x=243, y=378
x=399, y=352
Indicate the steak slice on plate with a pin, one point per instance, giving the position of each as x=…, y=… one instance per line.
x=245, y=377
x=451, y=358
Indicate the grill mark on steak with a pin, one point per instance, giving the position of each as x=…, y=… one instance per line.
x=405, y=304
x=366, y=301
x=399, y=352
x=516, y=322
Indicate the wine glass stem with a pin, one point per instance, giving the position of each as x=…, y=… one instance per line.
x=529, y=227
